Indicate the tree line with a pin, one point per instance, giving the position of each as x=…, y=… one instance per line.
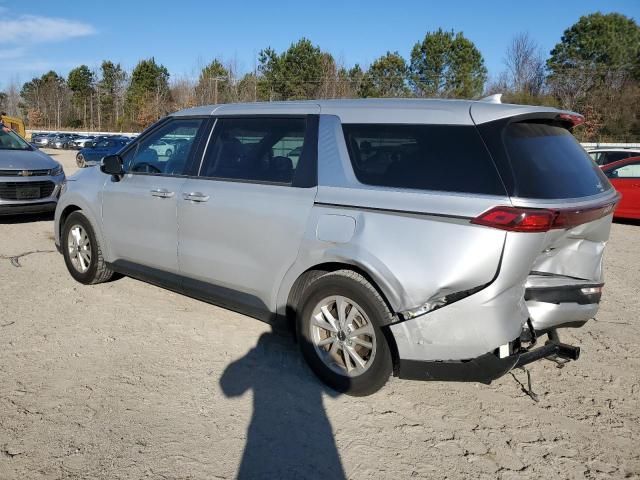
x=593, y=69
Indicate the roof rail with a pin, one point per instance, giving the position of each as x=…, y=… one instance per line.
x=495, y=98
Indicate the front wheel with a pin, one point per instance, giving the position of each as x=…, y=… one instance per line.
x=80, y=161
x=340, y=335
x=82, y=252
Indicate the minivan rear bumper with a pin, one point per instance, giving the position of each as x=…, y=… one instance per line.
x=485, y=368
x=563, y=306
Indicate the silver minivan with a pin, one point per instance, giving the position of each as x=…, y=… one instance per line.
x=429, y=239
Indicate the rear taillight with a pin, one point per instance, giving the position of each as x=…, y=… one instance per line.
x=515, y=219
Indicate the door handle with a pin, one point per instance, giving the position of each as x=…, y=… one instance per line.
x=162, y=193
x=195, y=197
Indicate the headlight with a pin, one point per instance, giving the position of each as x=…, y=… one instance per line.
x=55, y=171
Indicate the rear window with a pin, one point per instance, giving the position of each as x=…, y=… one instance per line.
x=449, y=158
x=548, y=162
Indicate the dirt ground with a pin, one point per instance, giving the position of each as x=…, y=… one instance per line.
x=126, y=380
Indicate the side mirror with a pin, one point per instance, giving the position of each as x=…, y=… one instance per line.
x=112, y=165
x=34, y=145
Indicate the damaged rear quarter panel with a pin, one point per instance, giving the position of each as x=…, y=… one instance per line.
x=413, y=258
x=576, y=252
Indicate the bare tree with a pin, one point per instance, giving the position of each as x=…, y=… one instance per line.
x=183, y=93
x=12, y=99
x=525, y=65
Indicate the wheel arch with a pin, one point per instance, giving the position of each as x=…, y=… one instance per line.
x=303, y=280
x=76, y=203
x=64, y=214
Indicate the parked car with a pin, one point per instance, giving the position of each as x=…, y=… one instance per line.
x=30, y=181
x=36, y=135
x=605, y=156
x=62, y=141
x=99, y=138
x=164, y=148
x=91, y=156
x=44, y=141
x=430, y=238
x=81, y=142
x=625, y=177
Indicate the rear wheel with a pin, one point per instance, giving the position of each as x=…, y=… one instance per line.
x=82, y=252
x=80, y=160
x=340, y=335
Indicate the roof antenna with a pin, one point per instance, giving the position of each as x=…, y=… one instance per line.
x=495, y=98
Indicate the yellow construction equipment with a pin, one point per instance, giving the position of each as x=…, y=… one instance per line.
x=14, y=124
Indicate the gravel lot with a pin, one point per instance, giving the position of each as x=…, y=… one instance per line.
x=126, y=380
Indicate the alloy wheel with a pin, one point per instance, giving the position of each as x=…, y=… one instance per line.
x=343, y=335
x=79, y=247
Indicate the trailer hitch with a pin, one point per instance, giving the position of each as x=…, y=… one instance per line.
x=553, y=349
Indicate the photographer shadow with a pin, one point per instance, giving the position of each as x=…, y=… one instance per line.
x=290, y=435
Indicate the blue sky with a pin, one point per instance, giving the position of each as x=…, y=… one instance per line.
x=39, y=35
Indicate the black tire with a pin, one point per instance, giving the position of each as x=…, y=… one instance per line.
x=355, y=287
x=168, y=153
x=80, y=160
x=98, y=271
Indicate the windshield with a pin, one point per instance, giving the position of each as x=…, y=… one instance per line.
x=12, y=141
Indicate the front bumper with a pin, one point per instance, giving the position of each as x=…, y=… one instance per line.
x=485, y=368
x=19, y=209
x=9, y=206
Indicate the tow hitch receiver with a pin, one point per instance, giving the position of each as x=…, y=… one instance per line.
x=554, y=350
x=551, y=348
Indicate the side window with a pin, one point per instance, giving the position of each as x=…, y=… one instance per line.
x=627, y=171
x=255, y=149
x=614, y=157
x=426, y=157
x=164, y=151
x=597, y=157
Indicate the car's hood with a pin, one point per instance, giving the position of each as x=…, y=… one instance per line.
x=25, y=160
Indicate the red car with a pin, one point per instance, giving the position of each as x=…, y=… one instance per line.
x=625, y=177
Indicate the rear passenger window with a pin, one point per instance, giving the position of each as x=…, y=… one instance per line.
x=255, y=149
x=447, y=158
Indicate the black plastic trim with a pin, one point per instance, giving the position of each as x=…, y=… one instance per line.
x=306, y=174
x=230, y=299
x=482, y=369
x=15, y=209
x=564, y=294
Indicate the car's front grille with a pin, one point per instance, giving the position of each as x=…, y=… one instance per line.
x=24, y=173
x=25, y=190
